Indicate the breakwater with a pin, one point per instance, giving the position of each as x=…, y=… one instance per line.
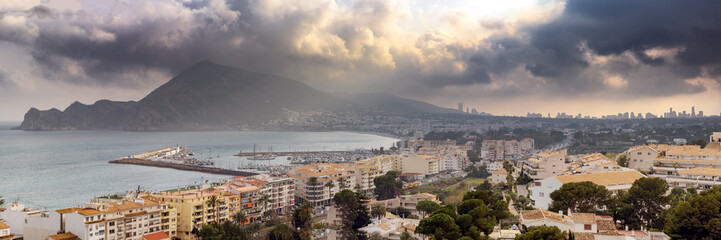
x=184, y=167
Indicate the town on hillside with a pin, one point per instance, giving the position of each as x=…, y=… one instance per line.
x=426, y=189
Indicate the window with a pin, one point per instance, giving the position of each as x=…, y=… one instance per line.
x=540, y=194
x=587, y=227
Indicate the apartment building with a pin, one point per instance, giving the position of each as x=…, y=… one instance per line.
x=365, y=172
x=592, y=163
x=499, y=176
x=129, y=218
x=30, y=223
x=312, y=182
x=423, y=164
x=506, y=149
x=643, y=157
x=700, y=178
x=193, y=210
x=540, y=191
x=546, y=164
x=277, y=193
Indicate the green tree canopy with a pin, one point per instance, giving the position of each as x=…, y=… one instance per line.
x=400, y=211
x=280, y=232
x=477, y=172
x=477, y=214
x=303, y=220
x=378, y=210
x=427, y=207
x=439, y=226
x=581, y=197
x=542, y=232
x=388, y=186
x=622, y=161
x=486, y=185
x=644, y=203
x=353, y=213
x=223, y=231
x=698, y=218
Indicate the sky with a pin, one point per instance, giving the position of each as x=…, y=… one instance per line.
x=593, y=57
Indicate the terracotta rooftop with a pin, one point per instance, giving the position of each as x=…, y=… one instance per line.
x=604, y=179
x=702, y=171
x=64, y=236
x=156, y=236
x=583, y=217
x=539, y=214
x=3, y=225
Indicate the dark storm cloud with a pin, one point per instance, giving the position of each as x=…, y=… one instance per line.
x=558, y=51
x=128, y=46
x=613, y=27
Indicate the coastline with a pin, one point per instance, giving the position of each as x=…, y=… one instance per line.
x=182, y=167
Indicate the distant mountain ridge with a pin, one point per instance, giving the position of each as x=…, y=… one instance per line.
x=208, y=96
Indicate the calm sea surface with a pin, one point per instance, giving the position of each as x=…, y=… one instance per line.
x=50, y=170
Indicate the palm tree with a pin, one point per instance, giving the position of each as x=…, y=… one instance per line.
x=378, y=210
x=264, y=200
x=342, y=183
x=214, y=201
x=312, y=182
x=240, y=217
x=330, y=185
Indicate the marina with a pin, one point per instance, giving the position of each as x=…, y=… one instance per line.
x=179, y=158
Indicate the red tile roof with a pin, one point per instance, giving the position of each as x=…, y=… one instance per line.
x=156, y=236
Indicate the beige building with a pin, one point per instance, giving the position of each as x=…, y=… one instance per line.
x=540, y=191
x=5, y=231
x=546, y=164
x=311, y=182
x=278, y=190
x=193, y=210
x=592, y=163
x=119, y=219
x=701, y=178
x=643, y=157
x=423, y=164
x=499, y=176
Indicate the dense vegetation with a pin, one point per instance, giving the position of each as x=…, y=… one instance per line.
x=388, y=186
x=581, y=197
x=697, y=218
x=353, y=213
x=477, y=214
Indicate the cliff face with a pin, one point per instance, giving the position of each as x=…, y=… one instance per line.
x=209, y=96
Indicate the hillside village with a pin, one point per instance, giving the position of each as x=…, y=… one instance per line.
x=413, y=193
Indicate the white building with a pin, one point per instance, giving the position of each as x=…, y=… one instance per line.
x=5, y=231
x=499, y=176
x=546, y=164
x=392, y=228
x=540, y=191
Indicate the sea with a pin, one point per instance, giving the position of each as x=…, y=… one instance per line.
x=49, y=170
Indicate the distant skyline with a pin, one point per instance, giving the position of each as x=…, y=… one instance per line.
x=594, y=57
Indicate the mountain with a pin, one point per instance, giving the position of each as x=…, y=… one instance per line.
x=211, y=96
x=385, y=102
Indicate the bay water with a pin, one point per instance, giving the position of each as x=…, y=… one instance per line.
x=51, y=170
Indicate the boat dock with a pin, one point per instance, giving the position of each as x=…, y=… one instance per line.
x=179, y=158
x=250, y=154
x=180, y=166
